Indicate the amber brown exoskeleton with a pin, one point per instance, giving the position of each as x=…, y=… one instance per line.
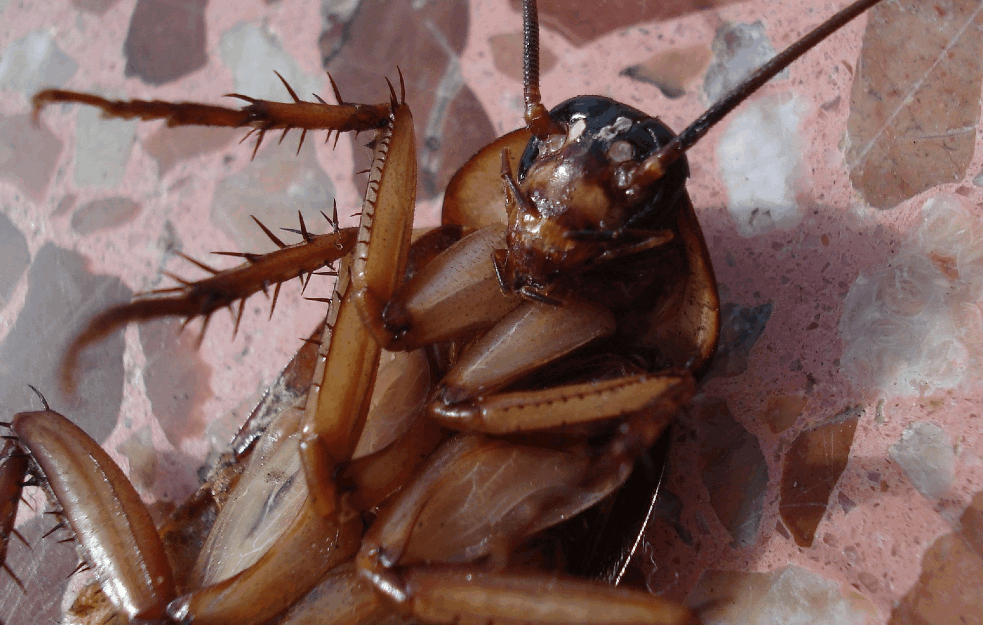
x=556, y=346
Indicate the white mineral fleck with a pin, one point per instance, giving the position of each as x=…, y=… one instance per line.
x=253, y=55
x=787, y=596
x=913, y=324
x=927, y=457
x=273, y=185
x=760, y=159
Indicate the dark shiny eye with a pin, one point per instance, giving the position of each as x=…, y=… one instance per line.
x=610, y=135
x=605, y=122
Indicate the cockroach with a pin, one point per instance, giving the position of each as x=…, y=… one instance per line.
x=540, y=280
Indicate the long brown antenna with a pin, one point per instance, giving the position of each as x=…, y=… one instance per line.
x=656, y=165
x=537, y=117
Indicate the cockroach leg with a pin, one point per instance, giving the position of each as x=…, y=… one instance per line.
x=221, y=290
x=348, y=360
x=347, y=363
x=566, y=406
x=382, y=251
x=13, y=471
x=454, y=594
x=387, y=193
x=348, y=598
x=261, y=115
x=111, y=525
x=310, y=546
x=451, y=296
x=326, y=527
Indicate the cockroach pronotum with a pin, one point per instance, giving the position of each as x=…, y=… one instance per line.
x=557, y=276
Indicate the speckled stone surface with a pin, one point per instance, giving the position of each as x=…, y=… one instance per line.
x=830, y=470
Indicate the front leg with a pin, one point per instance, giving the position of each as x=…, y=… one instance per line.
x=456, y=294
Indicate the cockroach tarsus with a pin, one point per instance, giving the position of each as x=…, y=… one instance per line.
x=538, y=359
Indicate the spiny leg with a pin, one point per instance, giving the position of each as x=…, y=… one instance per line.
x=224, y=288
x=261, y=115
x=13, y=470
x=348, y=359
x=110, y=523
x=221, y=290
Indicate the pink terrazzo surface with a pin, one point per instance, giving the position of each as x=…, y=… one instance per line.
x=871, y=540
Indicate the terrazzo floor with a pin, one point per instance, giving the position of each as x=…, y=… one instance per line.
x=831, y=467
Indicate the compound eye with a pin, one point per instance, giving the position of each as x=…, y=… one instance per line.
x=621, y=151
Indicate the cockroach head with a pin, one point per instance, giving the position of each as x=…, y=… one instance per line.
x=579, y=176
x=574, y=204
